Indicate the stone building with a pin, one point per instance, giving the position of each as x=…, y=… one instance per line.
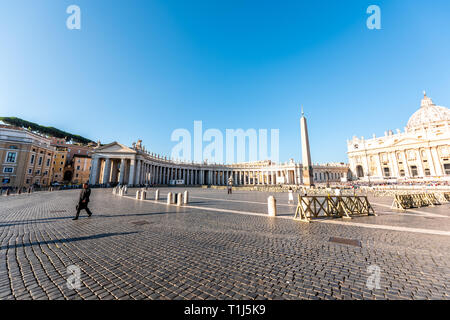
x=59, y=164
x=81, y=169
x=117, y=163
x=26, y=158
x=68, y=159
x=420, y=153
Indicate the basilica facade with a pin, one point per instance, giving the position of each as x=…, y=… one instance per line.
x=420, y=153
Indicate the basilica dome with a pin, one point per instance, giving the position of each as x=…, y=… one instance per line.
x=428, y=113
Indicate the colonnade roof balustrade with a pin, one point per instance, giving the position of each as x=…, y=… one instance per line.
x=117, y=163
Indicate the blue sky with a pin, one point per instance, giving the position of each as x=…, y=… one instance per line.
x=141, y=69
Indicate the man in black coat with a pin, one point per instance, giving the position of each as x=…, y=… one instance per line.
x=83, y=201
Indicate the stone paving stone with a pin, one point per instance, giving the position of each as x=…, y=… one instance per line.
x=185, y=253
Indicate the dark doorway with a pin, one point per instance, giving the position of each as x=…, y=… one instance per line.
x=359, y=171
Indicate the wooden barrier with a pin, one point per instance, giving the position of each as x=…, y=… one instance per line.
x=309, y=207
x=417, y=200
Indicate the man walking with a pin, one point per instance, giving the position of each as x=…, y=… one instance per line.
x=83, y=201
x=230, y=185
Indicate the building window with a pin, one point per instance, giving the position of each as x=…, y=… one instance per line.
x=60, y=169
x=11, y=157
x=8, y=170
x=40, y=161
x=414, y=172
x=387, y=172
x=30, y=171
x=76, y=175
x=48, y=162
x=427, y=172
x=6, y=180
x=447, y=168
x=13, y=147
x=38, y=171
x=32, y=159
x=78, y=167
x=28, y=181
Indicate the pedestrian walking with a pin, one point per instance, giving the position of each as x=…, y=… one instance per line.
x=291, y=195
x=83, y=201
x=230, y=185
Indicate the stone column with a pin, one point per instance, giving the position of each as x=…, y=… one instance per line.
x=431, y=162
x=420, y=164
x=132, y=171
x=165, y=175
x=138, y=172
x=437, y=162
x=122, y=171
x=94, y=171
x=106, y=171
x=396, y=171
x=159, y=174
x=379, y=168
x=152, y=173
x=405, y=164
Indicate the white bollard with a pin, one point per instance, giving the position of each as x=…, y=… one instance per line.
x=186, y=197
x=138, y=194
x=169, y=198
x=143, y=195
x=272, y=206
x=157, y=195
x=179, y=199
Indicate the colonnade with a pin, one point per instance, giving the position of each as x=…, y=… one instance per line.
x=143, y=171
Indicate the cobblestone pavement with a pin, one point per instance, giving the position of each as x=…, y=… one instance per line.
x=133, y=249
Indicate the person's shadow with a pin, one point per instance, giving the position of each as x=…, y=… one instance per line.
x=65, y=240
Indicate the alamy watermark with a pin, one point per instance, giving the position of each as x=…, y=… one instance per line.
x=240, y=146
x=373, y=281
x=374, y=20
x=73, y=22
x=74, y=279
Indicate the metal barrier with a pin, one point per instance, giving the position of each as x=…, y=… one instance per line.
x=446, y=196
x=417, y=200
x=309, y=207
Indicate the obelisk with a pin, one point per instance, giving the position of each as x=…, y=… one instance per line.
x=308, y=179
